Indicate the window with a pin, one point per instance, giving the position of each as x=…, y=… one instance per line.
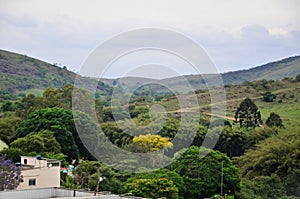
x=31, y=182
x=25, y=161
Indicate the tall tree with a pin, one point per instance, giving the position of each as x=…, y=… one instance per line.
x=247, y=114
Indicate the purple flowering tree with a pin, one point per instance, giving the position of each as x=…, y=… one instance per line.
x=10, y=175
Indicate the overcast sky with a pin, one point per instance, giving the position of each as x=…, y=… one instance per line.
x=236, y=34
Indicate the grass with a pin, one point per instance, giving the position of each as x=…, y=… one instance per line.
x=289, y=112
x=286, y=105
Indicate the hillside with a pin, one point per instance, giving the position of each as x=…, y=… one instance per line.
x=21, y=73
x=288, y=67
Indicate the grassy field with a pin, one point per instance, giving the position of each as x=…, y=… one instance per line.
x=286, y=104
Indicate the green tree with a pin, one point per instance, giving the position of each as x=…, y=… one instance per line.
x=162, y=173
x=61, y=122
x=115, y=134
x=27, y=105
x=230, y=140
x=279, y=154
x=292, y=183
x=297, y=78
x=8, y=125
x=202, y=175
x=43, y=141
x=152, y=188
x=13, y=154
x=262, y=187
x=258, y=135
x=8, y=106
x=247, y=114
x=87, y=174
x=268, y=96
x=274, y=120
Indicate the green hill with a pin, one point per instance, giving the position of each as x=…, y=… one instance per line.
x=23, y=74
x=20, y=73
x=288, y=67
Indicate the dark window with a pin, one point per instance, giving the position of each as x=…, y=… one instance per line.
x=25, y=161
x=31, y=182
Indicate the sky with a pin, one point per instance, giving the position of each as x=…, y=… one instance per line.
x=235, y=34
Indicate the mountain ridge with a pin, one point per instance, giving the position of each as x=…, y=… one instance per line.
x=20, y=73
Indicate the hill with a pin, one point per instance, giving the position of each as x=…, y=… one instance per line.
x=20, y=73
x=277, y=70
x=288, y=67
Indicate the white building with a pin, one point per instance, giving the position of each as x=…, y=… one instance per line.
x=39, y=172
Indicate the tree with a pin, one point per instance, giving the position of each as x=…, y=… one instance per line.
x=258, y=135
x=10, y=175
x=274, y=120
x=148, y=143
x=43, y=141
x=292, y=183
x=87, y=174
x=13, y=154
x=262, y=187
x=202, y=175
x=159, y=174
x=61, y=122
x=268, y=96
x=247, y=114
x=8, y=126
x=8, y=106
x=278, y=154
x=231, y=141
x=297, y=78
x=152, y=188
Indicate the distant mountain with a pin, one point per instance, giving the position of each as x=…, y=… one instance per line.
x=288, y=67
x=21, y=73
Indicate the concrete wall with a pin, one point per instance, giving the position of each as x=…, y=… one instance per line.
x=42, y=193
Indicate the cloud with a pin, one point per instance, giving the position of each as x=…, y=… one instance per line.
x=235, y=33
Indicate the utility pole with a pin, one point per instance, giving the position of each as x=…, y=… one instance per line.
x=222, y=180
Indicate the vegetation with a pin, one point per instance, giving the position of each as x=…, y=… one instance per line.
x=152, y=188
x=10, y=175
x=247, y=114
x=202, y=174
x=259, y=161
x=274, y=120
